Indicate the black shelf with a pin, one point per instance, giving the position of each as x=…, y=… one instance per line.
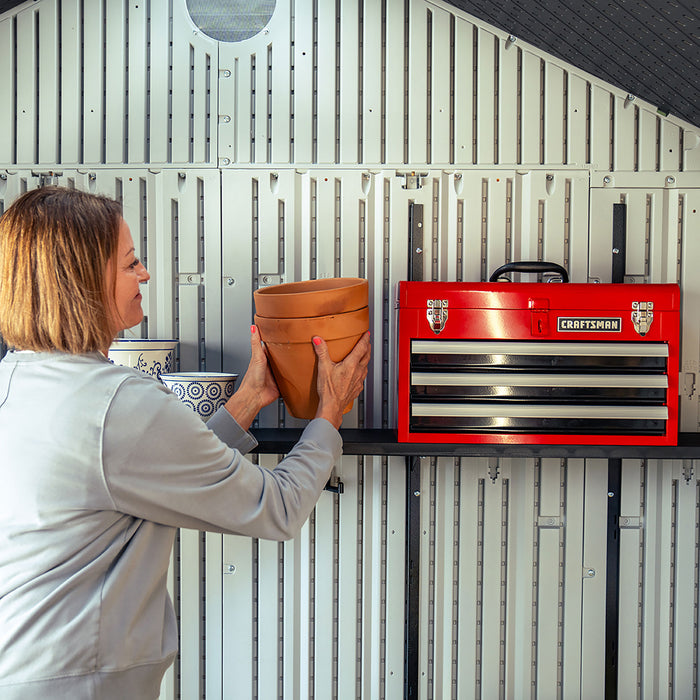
x=384, y=443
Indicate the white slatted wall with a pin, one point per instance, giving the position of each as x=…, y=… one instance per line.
x=283, y=157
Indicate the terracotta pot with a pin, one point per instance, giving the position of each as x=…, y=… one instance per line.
x=293, y=359
x=323, y=297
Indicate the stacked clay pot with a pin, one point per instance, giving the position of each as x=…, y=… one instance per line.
x=290, y=315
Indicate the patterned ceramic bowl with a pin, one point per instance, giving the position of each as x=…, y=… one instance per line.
x=153, y=357
x=204, y=392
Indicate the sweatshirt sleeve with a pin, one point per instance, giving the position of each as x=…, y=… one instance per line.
x=162, y=463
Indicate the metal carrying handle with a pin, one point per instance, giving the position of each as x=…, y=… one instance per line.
x=530, y=266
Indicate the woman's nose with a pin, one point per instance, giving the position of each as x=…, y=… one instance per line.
x=143, y=276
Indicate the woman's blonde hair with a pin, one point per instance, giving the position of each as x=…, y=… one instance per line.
x=54, y=247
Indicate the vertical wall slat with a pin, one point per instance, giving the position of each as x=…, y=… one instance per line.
x=236, y=268
x=268, y=631
x=444, y=577
x=548, y=578
x=690, y=328
x=395, y=572
x=485, y=106
x=191, y=672
x=326, y=77
x=635, y=258
x=259, y=101
x=7, y=99
x=374, y=570
x=93, y=79
x=115, y=81
x=554, y=109
x=573, y=582
x=669, y=146
x=647, y=149
x=578, y=218
x=469, y=622
x=326, y=224
x=577, y=136
x=601, y=116
x=464, y=92
x=280, y=80
x=136, y=82
x=214, y=620
x=440, y=88
x=71, y=69
x=394, y=82
x=593, y=601
x=159, y=67
x=26, y=87
x=238, y=607
x=303, y=81
x=417, y=83
x=372, y=72
x=49, y=78
x=624, y=146
x=530, y=107
x=349, y=81
x=507, y=102
x=325, y=610
x=348, y=582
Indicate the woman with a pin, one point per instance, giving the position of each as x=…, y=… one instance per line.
x=101, y=463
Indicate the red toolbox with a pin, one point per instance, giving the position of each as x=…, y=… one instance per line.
x=538, y=362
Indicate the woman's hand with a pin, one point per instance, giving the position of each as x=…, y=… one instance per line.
x=257, y=388
x=339, y=383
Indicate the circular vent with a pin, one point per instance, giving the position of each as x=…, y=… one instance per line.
x=231, y=20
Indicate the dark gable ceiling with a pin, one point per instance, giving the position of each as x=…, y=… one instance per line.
x=649, y=49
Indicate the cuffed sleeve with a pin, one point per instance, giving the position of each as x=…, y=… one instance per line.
x=162, y=463
x=229, y=431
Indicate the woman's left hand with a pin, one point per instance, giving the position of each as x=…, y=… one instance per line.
x=257, y=389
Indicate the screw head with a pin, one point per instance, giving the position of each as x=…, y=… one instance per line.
x=670, y=180
x=607, y=179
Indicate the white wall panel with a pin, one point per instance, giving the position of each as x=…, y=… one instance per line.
x=98, y=83
x=223, y=156
x=313, y=88
x=659, y=579
x=501, y=586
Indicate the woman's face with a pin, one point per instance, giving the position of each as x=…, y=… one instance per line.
x=130, y=273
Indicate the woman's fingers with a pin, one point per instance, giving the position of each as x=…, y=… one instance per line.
x=340, y=383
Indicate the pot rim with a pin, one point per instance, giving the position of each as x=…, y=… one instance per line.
x=199, y=376
x=325, y=284
x=149, y=343
x=288, y=330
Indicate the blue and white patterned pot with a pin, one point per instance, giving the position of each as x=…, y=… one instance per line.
x=203, y=392
x=153, y=357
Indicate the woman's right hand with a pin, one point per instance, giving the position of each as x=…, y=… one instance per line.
x=339, y=383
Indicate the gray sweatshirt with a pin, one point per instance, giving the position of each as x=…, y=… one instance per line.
x=99, y=465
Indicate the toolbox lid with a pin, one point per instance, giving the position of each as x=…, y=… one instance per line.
x=537, y=295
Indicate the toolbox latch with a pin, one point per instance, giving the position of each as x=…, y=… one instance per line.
x=642, y=316
x=437, y=314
